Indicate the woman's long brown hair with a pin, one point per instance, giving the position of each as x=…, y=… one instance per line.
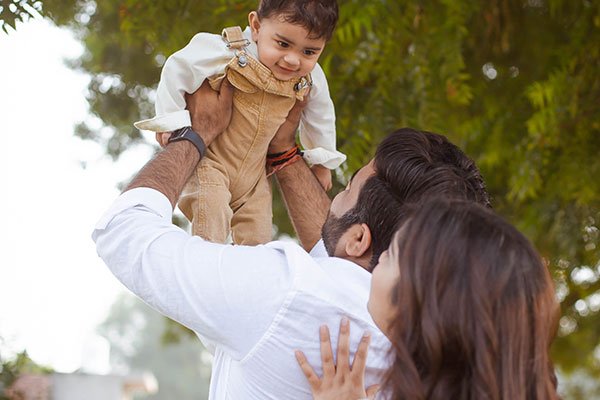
x=476, y=309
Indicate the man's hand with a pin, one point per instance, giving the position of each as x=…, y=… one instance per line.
x=218, y=105
x=285, y=138
x=210, y=110
x=172, y=167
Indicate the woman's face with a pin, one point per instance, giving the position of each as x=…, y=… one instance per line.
x=383, y=282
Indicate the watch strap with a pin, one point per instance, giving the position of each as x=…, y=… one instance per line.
x=187, y=133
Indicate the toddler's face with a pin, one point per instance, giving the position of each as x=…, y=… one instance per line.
x=285, y=48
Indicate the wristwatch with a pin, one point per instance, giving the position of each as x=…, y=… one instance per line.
x=187, y=133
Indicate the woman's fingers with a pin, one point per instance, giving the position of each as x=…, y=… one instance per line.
x=343, y=350
x=326, y=352
x=339, y=381
x=309, y=373
x=360, y=358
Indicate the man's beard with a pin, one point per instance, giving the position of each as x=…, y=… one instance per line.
x=334, y=228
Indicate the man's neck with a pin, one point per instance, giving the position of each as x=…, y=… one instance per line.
x=364, y=262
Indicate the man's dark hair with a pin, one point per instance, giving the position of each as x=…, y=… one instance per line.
x=411, y=166
x=319, y=17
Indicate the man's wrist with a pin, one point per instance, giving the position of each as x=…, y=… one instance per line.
x=282, y=147
x=190, y=135
x=203, y=132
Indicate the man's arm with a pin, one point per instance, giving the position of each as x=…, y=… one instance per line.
x=306, y=200
x=171, y=168
x=211, y=288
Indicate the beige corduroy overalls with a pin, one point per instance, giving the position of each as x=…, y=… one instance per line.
x=229, y=191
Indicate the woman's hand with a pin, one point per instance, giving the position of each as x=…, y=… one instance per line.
x=341, y=381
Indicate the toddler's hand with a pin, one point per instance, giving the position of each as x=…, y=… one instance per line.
x=163, y=138
x=323, y=175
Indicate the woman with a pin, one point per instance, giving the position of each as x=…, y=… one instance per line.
x=468, y=305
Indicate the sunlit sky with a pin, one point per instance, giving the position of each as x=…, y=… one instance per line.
x=54, y=290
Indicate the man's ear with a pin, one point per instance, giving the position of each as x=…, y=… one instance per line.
x=359, y=240
x=254, y=23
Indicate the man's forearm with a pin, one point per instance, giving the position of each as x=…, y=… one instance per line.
x=169, y=170
x=306, y=202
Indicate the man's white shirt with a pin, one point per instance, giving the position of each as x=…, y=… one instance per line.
x=251, y=306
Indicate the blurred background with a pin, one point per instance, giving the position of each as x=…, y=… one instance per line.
x=515, y=83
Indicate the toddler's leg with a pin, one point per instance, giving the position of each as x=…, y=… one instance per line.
x=205, y=202
x=252, y=221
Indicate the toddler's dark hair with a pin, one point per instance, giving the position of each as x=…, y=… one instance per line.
x=319, y=17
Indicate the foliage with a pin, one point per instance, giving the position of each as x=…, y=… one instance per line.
x=11, y=369
x=513, y=82
x=581, y=385
x=137, y=337
x=13, y=11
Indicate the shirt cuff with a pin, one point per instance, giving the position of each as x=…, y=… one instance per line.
x=166, y=122
x=150, y=198
x=327, y=158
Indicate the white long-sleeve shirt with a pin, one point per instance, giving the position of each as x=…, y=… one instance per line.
x=252, y=306
x=206, y=56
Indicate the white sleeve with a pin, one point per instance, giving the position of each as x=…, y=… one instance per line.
x=184, y=71
x=228, y=294
x=317, y=125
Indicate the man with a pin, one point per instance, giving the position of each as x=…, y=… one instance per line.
x=253, y=306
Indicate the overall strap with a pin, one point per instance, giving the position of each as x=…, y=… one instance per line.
x=304, y=83
x=234, y=38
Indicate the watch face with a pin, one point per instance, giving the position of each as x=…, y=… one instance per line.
x=187, y=133
x=178, y=133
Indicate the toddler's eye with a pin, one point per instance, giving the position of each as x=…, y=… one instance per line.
x=309, y=52
x=283, y=44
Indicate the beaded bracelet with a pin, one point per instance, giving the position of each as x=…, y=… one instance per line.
x=281, y=158
x=282, y=166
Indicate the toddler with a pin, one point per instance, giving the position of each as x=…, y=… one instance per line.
x=271, y=64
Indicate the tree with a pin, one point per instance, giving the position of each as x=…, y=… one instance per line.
x=514, y=82
x=11, y=369
x=136, y=334
x=13, y=11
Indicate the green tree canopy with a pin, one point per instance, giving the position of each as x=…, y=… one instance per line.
x=13, y=11
x=515, y=83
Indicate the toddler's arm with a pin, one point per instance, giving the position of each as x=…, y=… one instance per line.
x=184, y=72
x=317, y=125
